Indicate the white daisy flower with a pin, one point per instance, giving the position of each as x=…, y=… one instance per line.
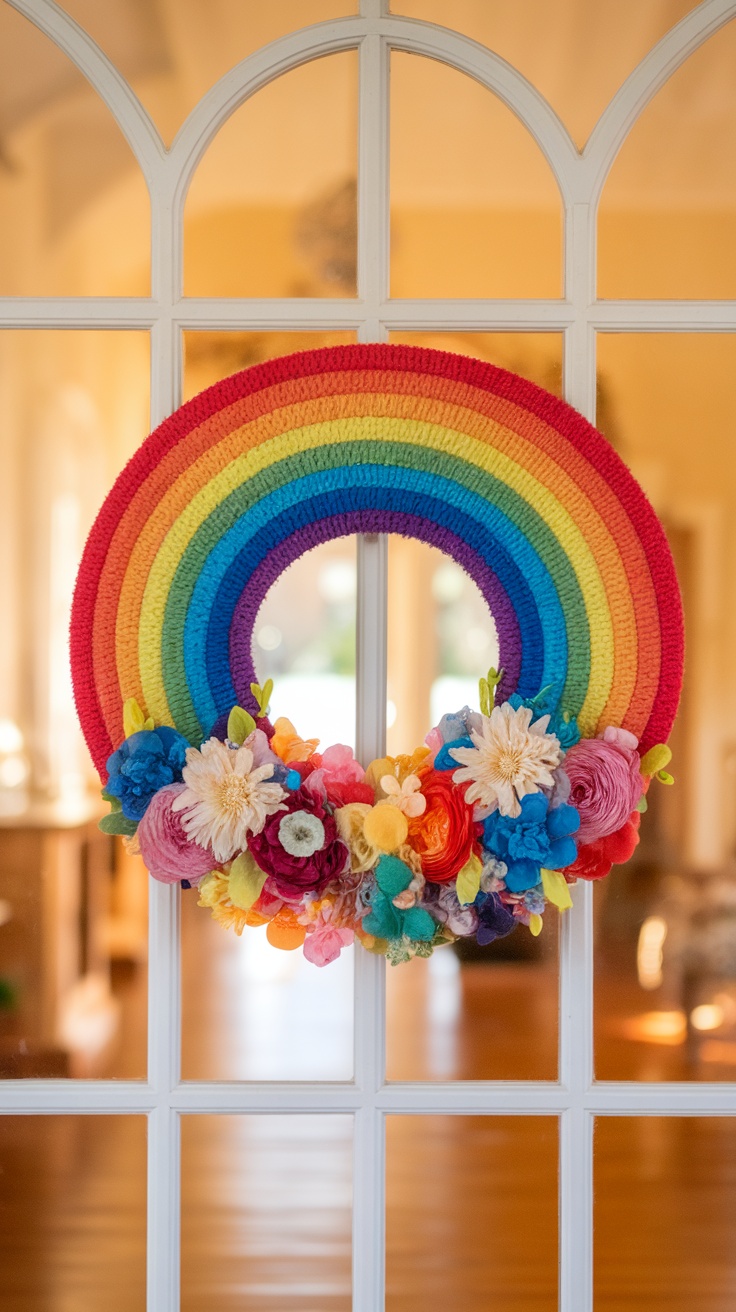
x=510, y=758
x=225, y=799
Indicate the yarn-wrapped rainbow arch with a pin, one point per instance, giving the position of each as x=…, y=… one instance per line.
x=502, y=476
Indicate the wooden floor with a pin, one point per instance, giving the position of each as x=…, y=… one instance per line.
x=472, y=1201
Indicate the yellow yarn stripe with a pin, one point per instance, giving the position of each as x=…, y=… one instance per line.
x=352, y=428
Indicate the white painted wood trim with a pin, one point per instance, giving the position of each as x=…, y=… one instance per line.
x=461, y=1097
x=576, y=1098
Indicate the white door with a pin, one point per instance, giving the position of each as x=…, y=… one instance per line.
x=575, y=1098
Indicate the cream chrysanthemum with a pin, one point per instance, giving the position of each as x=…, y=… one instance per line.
x=511, y=757
x=225, y=799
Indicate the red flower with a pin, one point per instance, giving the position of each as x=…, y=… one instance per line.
x=594, y=860
x=293, y=875
x=444, y=835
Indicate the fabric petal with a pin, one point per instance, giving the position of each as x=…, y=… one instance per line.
x=562, y=853
x=522, y=875
x=562, y=820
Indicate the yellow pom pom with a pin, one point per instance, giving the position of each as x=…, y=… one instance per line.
x=386, y=827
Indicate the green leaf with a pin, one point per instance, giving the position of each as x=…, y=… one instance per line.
x=262, y=695
x=488, y=690
x=468, y=882
x=655, y=760
x=117, y=823
x=664, y=777
x=239, y=725
x=642, y=805
x=246, y=882
x=113, y=802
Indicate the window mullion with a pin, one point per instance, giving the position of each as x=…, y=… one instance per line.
x=164, y=956
x=369, y=1178
x=576, y=940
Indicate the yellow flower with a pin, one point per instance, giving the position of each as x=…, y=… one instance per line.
x=214, y=893
x=400, y=767
x=350, y=820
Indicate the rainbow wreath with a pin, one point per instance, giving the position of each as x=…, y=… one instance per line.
x=504, y=806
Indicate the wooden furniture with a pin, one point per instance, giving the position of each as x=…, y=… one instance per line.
x=56, y=871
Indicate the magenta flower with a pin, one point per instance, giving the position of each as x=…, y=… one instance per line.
x=168, y=853
x=605, y=782
x=295, y=865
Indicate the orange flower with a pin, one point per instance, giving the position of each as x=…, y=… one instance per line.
x=284, y=931
x=443, y=836
x=287, y=744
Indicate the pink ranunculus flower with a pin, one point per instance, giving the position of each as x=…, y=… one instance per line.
x=339, y=778
x=605, y=782
x=325, y=941
x=168, y=853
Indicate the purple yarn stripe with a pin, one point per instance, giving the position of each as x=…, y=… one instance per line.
x=371, y=521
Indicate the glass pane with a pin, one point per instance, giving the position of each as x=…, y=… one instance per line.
x=272, y=207
x=255, y=1012
x=210, y=356
x=475, y=210
x=249, y=1008
x=74, y=209
x=664, y=923
x=577, y=58
x=668, y=210
x=305, y=642
x=266, y=1213
x=441, y=637
x=464, y=1196
x=172, y=57
x=73, y=1213
x=536, y=356
x=665, y=1192
x=73, y=924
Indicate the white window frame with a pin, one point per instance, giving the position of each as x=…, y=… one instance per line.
x=576, y=1097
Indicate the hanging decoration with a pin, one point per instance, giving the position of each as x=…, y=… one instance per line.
x=506, y=804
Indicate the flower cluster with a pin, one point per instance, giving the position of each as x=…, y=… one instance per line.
x=481, y=828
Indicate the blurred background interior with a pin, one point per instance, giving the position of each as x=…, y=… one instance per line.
x=272, y=212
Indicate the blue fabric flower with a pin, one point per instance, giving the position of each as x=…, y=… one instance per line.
x=145, y=762
x=443, y=760
x=494, y=919
x=537, y=838
x=565, y=728
x=563, y=725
